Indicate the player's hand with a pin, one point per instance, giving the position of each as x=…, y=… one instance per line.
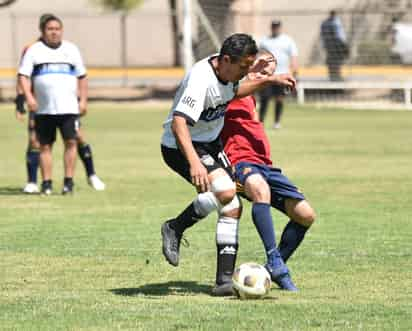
x=19, y=116
x=200, y=178
x=83, y=108
x=285, y=80
x=32, y=104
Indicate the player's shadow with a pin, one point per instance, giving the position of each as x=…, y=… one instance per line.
x=163, y=289
x=7, y=190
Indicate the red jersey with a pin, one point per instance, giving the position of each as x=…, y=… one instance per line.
x=243, y=135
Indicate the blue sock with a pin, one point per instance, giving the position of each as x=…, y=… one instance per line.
x=292, y=236
x=264, y=225
x=32, y=164
x=85, y=153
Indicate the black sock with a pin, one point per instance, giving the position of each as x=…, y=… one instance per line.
x=292, y=236
x=226, y=260
x=46, y=184
x=278, y=111
x=68, y=182
x=186, y=219
x=32, y=164
x=85, y=153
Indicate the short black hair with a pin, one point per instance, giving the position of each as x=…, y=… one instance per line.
x=46, y=18
x=237, y=46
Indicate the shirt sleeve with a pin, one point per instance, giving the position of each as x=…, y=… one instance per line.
x=192, y=100
x=78, y=63
x=26, y=63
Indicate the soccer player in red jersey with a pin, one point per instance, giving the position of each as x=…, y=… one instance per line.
x=248, y=149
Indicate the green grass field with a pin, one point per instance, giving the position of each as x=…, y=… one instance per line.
x=93, y=261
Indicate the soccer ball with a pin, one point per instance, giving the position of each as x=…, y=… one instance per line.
x=251, y=281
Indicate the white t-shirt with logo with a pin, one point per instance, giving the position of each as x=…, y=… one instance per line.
x=283, y=48
x=54, y=73
x=202, y=99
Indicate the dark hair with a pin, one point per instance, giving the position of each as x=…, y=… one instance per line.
x=46, y=18
x=237, y=46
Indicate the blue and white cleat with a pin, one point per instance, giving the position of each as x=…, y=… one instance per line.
x=281, y=277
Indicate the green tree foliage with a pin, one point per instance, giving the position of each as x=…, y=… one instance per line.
x=121, y=5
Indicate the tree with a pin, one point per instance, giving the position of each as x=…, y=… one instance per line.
x=5, y=3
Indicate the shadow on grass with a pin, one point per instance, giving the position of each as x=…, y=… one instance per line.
x=11, y=191
x=163, y=289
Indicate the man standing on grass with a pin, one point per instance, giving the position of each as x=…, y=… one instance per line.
x=53, y=77
x=284, y=49
x=191, y=147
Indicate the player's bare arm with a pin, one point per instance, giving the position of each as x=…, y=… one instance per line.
x=83, y=89
x=25, y=84
x=198, y=172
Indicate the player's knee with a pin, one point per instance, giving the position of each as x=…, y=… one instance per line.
x=232, y=209
x=70, y=143
x=224, y=189
x=257, y=189
x=205, y=203
x=307, y=216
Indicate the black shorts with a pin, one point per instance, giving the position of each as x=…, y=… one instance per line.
x=46, y=126
x=272, y=91
x=211, y=155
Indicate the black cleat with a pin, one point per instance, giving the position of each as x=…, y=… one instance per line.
x=171, y=244
x=223, y=290
x=46, y=188
x=67, y=190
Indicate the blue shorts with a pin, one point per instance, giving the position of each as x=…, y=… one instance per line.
x=281, y=188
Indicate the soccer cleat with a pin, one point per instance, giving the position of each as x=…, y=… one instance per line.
x=96, y=183
x=31, y=188
x=171, y=244
x=223, y=290
x=277, y=126
x=281, y=277
x=67, y=190
x=46, y=189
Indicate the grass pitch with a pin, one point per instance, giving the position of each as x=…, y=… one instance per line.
x=93, y=261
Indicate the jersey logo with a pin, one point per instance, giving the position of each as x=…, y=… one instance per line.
x=212, y=114
x=189, y=101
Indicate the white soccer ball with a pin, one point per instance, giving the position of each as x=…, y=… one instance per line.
x=251, y=281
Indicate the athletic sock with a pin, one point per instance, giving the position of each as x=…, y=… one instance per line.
x=226, y=259
x=186, y=219
x=85, y=153
x=264, y=225
x=68, y=182
x=32, y=164
x=292, y=236
x=278, y=111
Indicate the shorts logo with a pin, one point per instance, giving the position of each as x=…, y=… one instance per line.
x=207, y=160
x=246, y=171
x=76, y=125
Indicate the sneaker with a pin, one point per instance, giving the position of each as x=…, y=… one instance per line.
x=31, y=188
x=67, y=189
x=281, y=277
x=96, y=183
x=171, y=244
x=223, y=290
x=46, y=189
x=277, y=126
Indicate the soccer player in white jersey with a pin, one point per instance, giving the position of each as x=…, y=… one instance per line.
x=33, y=147
x=53, y=77
x=286, y=52
x=192, y=148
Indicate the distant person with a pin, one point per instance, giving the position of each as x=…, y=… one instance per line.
x=334, y=41
x=286, y=53
x=54, y=82
x=33, y=147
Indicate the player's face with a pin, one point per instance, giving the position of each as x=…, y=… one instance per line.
x=53, y=33
x=236, y=71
